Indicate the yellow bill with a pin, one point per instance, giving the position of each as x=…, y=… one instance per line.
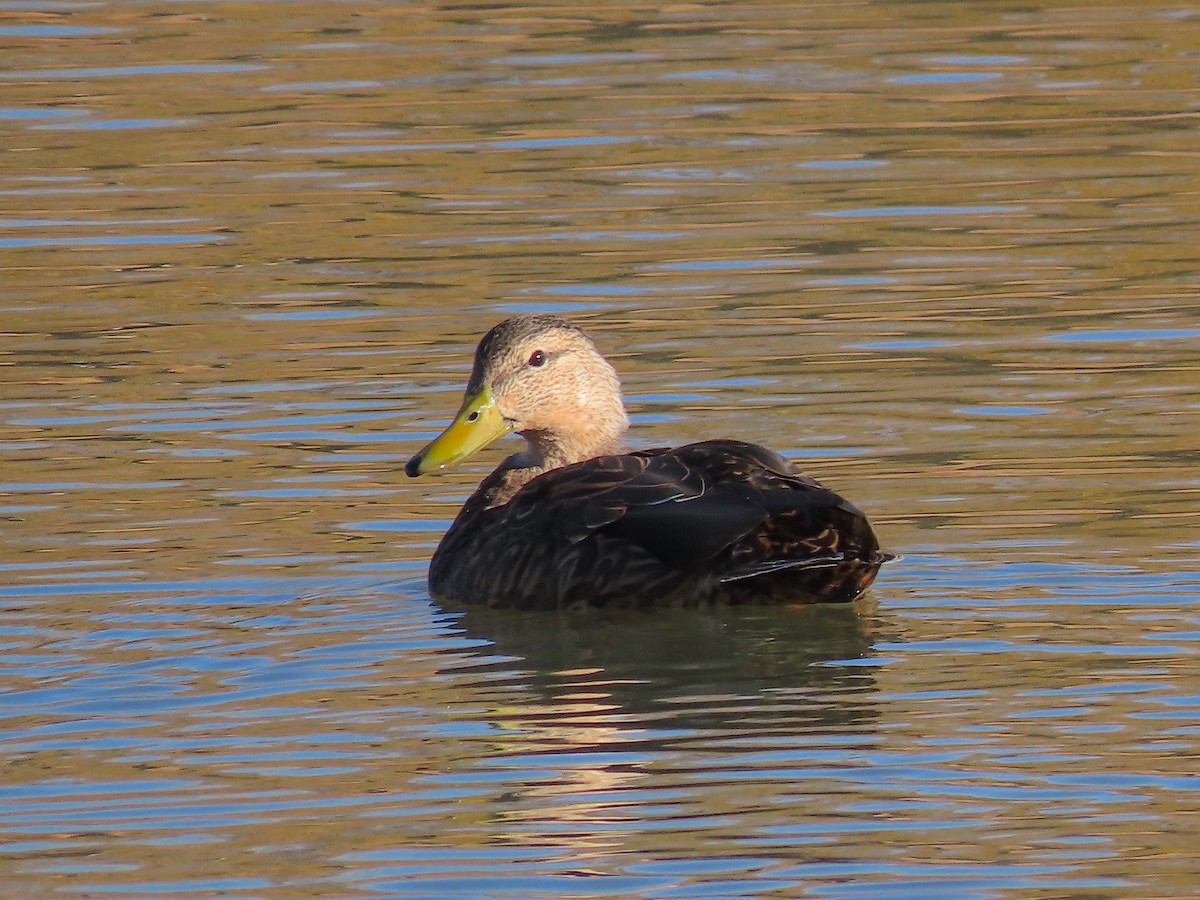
x=477, y=424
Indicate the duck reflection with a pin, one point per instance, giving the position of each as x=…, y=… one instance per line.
x=649, y=658
x=606, y=723
x=678, y=664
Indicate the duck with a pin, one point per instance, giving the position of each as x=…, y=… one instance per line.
x=575, y=520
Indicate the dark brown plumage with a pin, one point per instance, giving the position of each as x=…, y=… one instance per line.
x=717, y=521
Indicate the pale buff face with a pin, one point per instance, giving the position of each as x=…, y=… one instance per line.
x=553, y=386
x=551, y=380
x=539, y=376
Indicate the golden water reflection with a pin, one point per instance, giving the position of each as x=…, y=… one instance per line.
x=942, y=254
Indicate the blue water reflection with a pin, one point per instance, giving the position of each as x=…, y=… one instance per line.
x=944, y=265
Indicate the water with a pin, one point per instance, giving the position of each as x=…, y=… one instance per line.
x=943, y=254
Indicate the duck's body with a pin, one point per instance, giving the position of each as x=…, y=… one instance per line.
x=574, y=521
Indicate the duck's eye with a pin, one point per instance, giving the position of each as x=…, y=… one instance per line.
x=537, y=359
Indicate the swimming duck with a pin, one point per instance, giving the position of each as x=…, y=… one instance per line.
x=575, y=520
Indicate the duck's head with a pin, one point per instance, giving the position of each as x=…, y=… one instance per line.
x=539, y=376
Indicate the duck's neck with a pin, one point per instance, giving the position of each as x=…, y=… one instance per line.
x=547, y=450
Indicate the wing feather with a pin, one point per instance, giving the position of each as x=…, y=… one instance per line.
x=717, y=519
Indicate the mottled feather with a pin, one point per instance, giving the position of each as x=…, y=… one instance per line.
x=718, y=521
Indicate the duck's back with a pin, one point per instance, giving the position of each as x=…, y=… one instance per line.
x=718, y=521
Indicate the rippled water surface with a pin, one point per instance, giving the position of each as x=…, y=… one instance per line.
x=944, y=254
